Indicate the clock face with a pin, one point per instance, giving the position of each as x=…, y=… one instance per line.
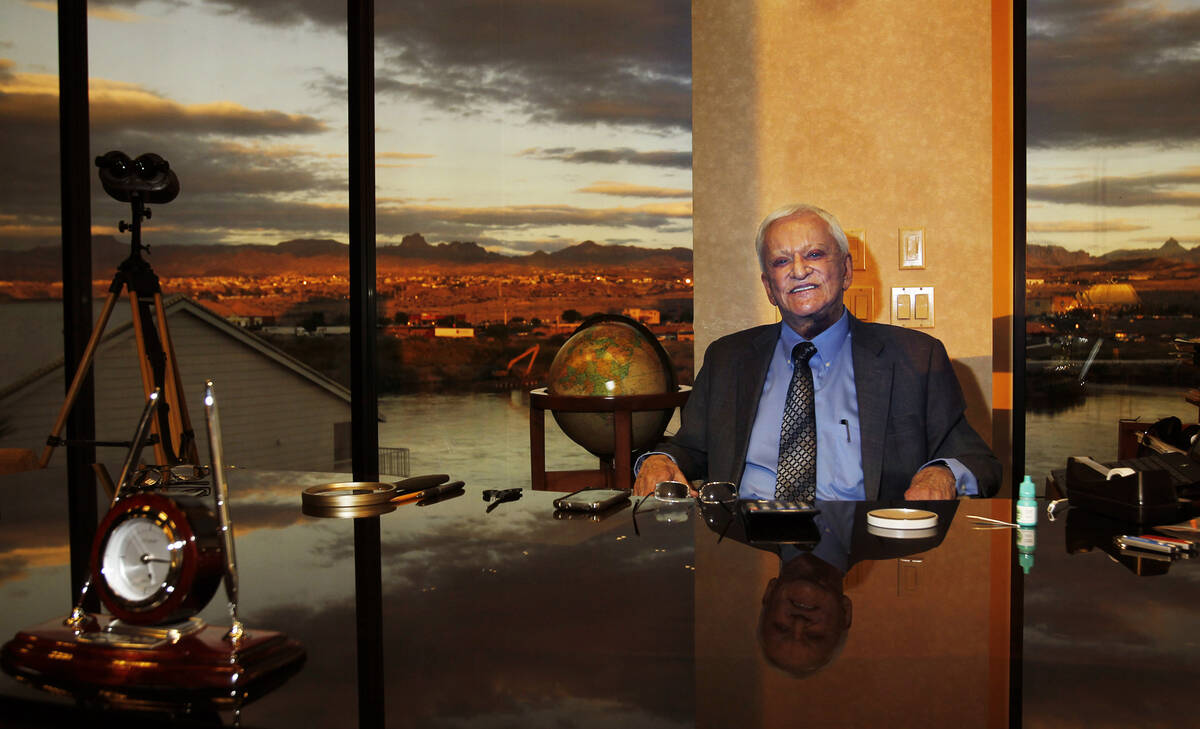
x=140, y=556
x=157, y=559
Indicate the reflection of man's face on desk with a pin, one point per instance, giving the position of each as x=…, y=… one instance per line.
x=805, y=616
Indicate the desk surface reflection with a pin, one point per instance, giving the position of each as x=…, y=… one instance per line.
x=515, y=617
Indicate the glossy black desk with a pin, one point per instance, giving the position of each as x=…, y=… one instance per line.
x=515, y=618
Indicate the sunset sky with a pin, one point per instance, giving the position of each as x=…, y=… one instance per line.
x=1113, y=123
x=519, y=125
x=535, y=124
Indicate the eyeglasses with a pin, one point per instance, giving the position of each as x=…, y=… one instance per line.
x=718, y=492
x=665, y=492
x=672, y=492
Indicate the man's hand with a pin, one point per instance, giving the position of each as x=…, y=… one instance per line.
x=654, y=469
x=930, y=483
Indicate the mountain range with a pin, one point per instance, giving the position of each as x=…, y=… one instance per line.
x=322, y=255
x=1052, y=256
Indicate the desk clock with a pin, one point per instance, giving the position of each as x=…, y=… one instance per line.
x=159, y=556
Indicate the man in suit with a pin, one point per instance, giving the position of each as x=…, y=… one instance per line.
x=889, y=412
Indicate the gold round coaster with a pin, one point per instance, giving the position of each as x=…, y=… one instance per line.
x=347, y=512
x=901, y=518
x=901, y=533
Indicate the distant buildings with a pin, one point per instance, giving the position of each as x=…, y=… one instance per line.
x=454, y=332
x=1047, y=305
x=645, y=316
x=1108, y=296
x=1105, y=297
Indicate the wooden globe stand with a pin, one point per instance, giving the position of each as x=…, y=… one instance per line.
x=615, y=472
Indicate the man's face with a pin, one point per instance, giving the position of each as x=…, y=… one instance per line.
x=802, y=623
x=805, y=273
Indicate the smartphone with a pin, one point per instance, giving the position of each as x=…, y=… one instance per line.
x=572, y=515
x=592, y=500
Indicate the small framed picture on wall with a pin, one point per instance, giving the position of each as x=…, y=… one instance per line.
x=912, y=248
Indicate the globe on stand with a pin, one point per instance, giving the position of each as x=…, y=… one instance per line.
x=611, y=356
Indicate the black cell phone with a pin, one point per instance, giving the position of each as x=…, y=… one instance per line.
x=592, y=500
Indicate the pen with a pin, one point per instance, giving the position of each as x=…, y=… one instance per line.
x=420, y=483
x=1181, y=544
x=1127, y=541
x=428, y=493
x=442, y=496
x=846, y=423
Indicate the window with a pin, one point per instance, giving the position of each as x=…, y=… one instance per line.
x=1112, y=257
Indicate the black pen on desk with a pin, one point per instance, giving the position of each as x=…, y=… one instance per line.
x=420, y=483
x=428, y=493
x=444, y=496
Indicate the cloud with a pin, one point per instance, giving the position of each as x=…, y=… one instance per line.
x=483, y=224
x=402, y=155
x=99, y=13
x=571, y=62
x=118, y=105
x=214, y=215
x=531, y=245
x=620, y=155
x=623, y=189
x=1159, y=189
x=398, y=155
x=1078, y=226
x=226, y=156
x=1111, y=72
x=27, y=98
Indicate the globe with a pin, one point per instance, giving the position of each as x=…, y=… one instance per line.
x=611, y=356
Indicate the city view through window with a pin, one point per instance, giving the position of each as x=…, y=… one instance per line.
x=1113, y=222
x=533, y=168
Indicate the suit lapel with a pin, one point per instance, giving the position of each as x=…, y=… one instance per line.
x=873, y=385
x=750, y=378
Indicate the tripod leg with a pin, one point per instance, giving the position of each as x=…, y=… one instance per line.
x=173, y=390
x=148, y=383
x=85, y=364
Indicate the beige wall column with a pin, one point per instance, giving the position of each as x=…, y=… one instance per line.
x=881, y=113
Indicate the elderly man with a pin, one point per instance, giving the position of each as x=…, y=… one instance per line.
x=823, y=405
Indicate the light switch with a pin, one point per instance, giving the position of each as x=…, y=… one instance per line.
x=921, y=306
x=912, y=306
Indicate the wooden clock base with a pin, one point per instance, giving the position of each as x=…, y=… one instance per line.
x=156, y=666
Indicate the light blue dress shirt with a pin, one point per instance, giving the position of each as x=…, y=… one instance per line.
x=839, y=448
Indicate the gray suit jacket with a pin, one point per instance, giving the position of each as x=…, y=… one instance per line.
x=910, y=409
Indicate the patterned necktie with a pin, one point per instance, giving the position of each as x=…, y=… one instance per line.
x=797, y=474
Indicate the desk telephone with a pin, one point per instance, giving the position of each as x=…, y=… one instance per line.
x=1150, y=489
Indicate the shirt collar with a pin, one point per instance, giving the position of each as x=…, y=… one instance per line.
x=828, y=343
